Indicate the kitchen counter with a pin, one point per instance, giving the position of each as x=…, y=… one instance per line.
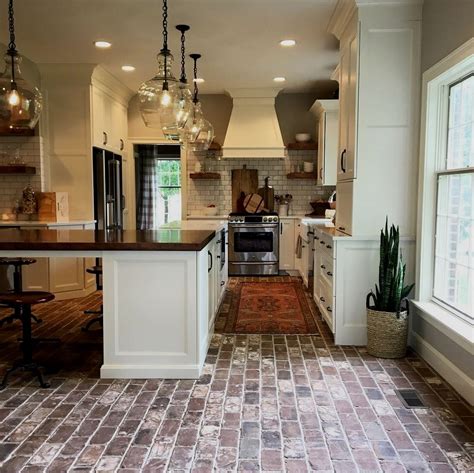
x=92, y=240
x=199, y=224
x=156, y=289
x=37, y=223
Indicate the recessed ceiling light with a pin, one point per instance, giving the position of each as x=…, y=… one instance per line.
x=128, y=68
x=287, y=43
x=199, y=80
x=279, y=79
x=102, y=44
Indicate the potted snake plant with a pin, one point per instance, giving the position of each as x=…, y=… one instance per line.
x=387, y=315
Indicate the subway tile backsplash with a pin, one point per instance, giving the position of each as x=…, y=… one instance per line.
x=12, y=185
x=202, y=193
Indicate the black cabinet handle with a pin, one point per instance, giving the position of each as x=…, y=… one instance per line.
x=328, y=309
x=316, y=237
x=281, y=228
x=323, y=267
x=329, y=247
x=210, y=267
x=329, y=273
x=222, y=283
x=122, y=144
x=105, y=137
x=343, y=154
x=342, y=228
x=322, y=299
x=322, y=242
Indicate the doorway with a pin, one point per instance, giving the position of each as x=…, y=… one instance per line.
x=158, y=185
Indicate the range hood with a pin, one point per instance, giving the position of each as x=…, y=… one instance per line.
x=253, y=130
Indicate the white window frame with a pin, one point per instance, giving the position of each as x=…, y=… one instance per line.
x=433, y=141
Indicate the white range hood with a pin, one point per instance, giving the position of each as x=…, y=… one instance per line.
x=253, y=130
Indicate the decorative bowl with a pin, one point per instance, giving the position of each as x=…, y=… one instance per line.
x=303, y=137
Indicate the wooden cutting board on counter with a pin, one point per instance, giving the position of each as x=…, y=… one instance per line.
x=243, y=181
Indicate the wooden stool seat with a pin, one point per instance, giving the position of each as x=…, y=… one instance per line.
x=28, y=297
x=94, y=270
x=17, y=261
x=22, y=301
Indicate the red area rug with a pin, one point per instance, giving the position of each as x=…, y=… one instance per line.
x=269, y=308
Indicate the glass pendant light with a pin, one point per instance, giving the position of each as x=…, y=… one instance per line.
x=174, y=119
x=20, y=102
x=199, y=132
x=158, y=95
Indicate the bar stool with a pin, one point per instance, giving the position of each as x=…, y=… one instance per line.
x=22, y=302
x=97, y=270
x=17, y=264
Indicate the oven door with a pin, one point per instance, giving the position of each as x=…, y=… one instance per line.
x=253, y=243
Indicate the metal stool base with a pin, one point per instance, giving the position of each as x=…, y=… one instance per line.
x=21, y=365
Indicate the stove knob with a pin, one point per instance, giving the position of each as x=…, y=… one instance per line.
x=264, y=219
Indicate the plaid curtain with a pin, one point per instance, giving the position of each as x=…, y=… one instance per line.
x=148, y=187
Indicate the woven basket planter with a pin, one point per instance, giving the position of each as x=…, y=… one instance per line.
x=387, y=334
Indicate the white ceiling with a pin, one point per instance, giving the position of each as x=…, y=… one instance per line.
x=237, y=38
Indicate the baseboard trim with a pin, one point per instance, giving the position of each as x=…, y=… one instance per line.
x=462, y=383
x=150, y=371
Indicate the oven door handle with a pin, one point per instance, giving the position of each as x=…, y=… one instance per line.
x=255, y=227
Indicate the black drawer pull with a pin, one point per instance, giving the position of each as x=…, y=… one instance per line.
x=322, y=242
x=316, y=238
x=322, y=299
x=222, y=283
x=323, y=267
x=329, y=273
x=329, y=247
x=328, y=309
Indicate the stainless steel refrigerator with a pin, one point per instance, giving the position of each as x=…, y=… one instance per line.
x=109, y=201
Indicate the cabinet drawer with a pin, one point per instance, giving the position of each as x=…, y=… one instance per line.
x=326, y=269
x=324, y=245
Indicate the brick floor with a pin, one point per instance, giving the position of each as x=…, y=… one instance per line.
x=264, y=403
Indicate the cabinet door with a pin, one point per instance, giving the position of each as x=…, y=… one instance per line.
x=287, y=244
x=350, y=158
x=66, y=274
x=35, y=277
x=321, y=172
x=346, y=166
x=118, y=128
x=344, y=207
x=99, y=134
x=298, y=261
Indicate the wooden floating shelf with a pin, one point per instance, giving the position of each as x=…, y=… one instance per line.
x=301, y=175
x=25, y=132
x=303, y=146
x=205, y=175
x=17, y=170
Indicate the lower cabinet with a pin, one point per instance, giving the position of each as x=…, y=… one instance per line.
x=287, y=244
x=65, y=277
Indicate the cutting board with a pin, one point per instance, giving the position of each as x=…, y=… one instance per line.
x=53, y=206
x=253, y=203
x=243, y=181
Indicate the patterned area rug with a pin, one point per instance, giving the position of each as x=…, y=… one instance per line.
x=279, y=307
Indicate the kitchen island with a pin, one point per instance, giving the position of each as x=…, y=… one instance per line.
x=155, y=294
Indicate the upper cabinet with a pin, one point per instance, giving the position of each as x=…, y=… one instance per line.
x=109, y=117
x=327, y=112
x=379, y=74
x=346, y=163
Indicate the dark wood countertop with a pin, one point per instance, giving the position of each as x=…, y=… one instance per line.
x=89, y=240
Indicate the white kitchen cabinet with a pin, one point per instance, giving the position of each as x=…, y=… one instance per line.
x=216, y=278
x=379, y=94
x=298, y=233
x=109, y=120
x=346, y=162
x=345, y=270
x=344, y=192
x=327, y=112
x=287, y=244
x=66, y=277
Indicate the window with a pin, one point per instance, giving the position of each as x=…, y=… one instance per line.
x=168, y=203
x=454, y=242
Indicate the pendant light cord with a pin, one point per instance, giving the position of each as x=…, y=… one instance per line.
x=165, y=42
x=183, y=55
x=12, y=52
x=195, y=57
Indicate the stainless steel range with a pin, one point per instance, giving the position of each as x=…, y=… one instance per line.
x=253, y=244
